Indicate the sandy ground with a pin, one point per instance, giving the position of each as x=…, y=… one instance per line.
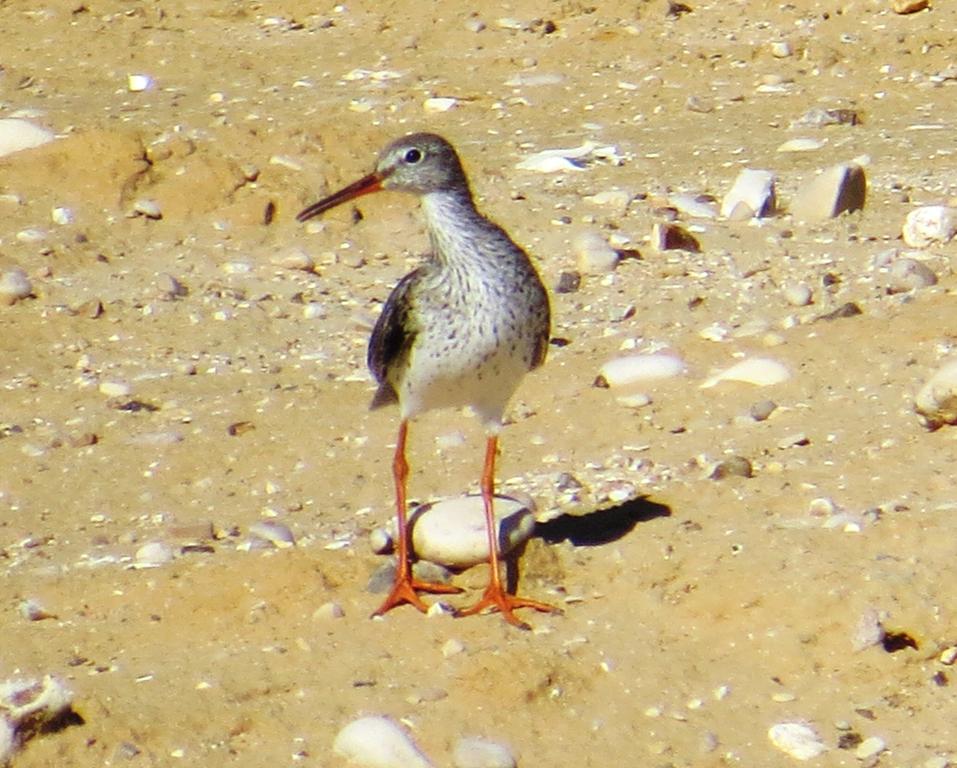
x=696, y=616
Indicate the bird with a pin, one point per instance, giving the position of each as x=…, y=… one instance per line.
x=461, y=330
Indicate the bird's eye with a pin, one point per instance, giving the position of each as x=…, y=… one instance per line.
x=413, y=156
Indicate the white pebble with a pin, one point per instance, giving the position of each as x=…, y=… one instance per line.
x=17, y=134
x=594, y=254
x=452, y=532
x=797, y=740
x=637, y=400
x=138, y=83
x=378, y=742
x=274, y=532
x=327, y=611
x=798, y=295
x=152, y=555
x=751, y=195
x=692, y=205
x=781, y=49
x=452, y=647
x=148, y=208
x=115, y=389
x=62, y=215
x=632, y=369
x=314, y=310
x=380, y=541
x=760, y=371
x=870, y=747
x=936, y=403
x=474, y=752
x=295, y=259
x=929, y=224
x=14, y=285
x=439, y=104
x=869, y=631
x=800, y=145
x=948, y=656
x=909, y=274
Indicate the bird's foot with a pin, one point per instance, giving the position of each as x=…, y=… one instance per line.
x=405, y=590
x=497, y=599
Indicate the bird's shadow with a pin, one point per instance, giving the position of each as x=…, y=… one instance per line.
x=602, y=526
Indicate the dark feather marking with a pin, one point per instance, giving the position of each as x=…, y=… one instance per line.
x=391, y=339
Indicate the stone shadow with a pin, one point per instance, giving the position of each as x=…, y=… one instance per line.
x=602, y=526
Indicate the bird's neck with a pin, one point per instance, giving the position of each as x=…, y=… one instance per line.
x=455, y=225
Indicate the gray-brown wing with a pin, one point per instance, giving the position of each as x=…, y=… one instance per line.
x=544, y=333
x=391, y=338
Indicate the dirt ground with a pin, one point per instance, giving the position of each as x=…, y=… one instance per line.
x=697, y=613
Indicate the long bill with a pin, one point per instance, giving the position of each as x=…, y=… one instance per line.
x=364, y=186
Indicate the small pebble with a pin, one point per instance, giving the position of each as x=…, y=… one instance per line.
x=380, y=541
x=473, y=752
x=17, y=135
x=14, y=285
x=904, y=7
x=936, y=403
x=623, y=371
x=62, y=215
x=801, y=145
x=169, y=288
x=929, y=225
x=32, y=610
x=869, y=630
x=752, y=195
x=669, y=236
x=594, y=254
x=115, y=389
x=148, y=208
x=908, y=275
x=295, y=259
x=452, y=532
x=327, y=611
x=439, y=104
x=274, y=532
x=378, y=742
x=452, y=647
x=138, y=83
x=153, y=555
x=736, y=466
x=568, y=282
x=794, y=440
x=781, y=49
x=839, y=188
x=762, y=410
x=870, y=747
x=948, y=656
x=798, y=295
x=637, y=400
x=797, y=740
x=760, y=371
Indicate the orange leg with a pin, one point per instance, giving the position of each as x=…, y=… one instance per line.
x=495, y=596
x=404, y=587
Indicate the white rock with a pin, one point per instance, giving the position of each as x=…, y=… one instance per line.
x=801, y=145
x=908, y=274
x=62, y=215
x=327, y=611
x=928, y=225
x=295, y=259
x=314, y=310
x=692, y=205
x=274, y=532
x=618, y=198
x=751, y=195
x=936, y=403
x=633, y=369
x=378, y=742
x=637, y=400
x=138, y=83
x=16, y=134
x=839, y=188
x=760, y=371
x=452, y=532
x=115, y=389
x=870, y=747
x=798, y=295
x=869, y=630
x=148, y=208
x=797, y=740
x=594, y=254
x=439, y=104
x=14, y=285
x=153, y=555
x=781, y=49
x=572, y=159
x=475, y=752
